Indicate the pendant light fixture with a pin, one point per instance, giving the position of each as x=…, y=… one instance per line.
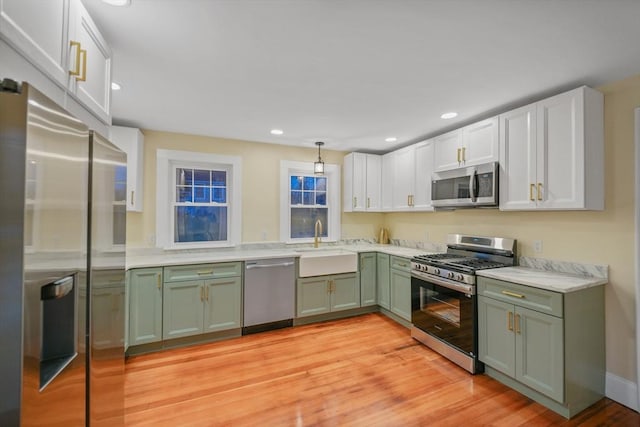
x=318, y=167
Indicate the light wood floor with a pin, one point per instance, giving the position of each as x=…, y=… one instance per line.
x=362, y=371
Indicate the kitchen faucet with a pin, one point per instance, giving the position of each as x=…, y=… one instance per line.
x=317, y=237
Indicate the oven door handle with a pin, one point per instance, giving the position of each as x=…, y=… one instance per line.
x=455, y=286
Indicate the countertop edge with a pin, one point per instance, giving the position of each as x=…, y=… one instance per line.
x=543, y=279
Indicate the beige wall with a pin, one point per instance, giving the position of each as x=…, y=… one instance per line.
x=591, y=237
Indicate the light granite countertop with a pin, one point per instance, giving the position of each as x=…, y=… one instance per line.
x=156, y=258
x=549, y=280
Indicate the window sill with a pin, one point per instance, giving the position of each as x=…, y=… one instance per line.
x=199, y=246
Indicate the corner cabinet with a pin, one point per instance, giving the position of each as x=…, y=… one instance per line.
x=145, y=305
x=367, y=269
x=552, y=153
x=131, y=141
x=400, y=287
x=326, y=294
x=362, y=182
x=60, y=39
x=547, y=345
x=203, y=298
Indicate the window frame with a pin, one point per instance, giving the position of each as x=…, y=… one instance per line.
x=167, y=162
x=332, y=172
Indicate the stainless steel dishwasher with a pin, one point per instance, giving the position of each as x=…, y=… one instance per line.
x=269, y=294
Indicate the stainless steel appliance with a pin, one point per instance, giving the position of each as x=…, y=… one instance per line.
x=50, y=262
x=269, y=294
x=473, y=186
x=444, y=308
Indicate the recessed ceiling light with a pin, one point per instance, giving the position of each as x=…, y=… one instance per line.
x=391, y=139
x=450, y=115
x=117, y=2
x=115, y=86
x=277, y=131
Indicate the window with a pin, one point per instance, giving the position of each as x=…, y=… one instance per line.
x=306, y=198
x=198, y=200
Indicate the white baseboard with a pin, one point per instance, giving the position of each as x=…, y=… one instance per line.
x=622, y=391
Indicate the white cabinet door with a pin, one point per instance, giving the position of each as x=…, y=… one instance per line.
x=423, y=170
x=131, y=141
x=480, y=142
x=560, y=154
x=448, y=150
x=373, y=182
x=518, y=158
x=89, y=63
x=388, y=180
x=38, y=29
x=403, y=178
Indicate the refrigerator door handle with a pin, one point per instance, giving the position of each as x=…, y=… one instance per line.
x=57, y=289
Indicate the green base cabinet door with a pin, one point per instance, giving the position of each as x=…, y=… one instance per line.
x=223, y=302
x=145, y=305
x=345, y=292
x=183, y=314
x=496, y=347
x=314, y=296
x=383, y=278
x=367, y=270
x=401, y=287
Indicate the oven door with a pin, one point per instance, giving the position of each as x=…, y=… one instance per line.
x=445, y=310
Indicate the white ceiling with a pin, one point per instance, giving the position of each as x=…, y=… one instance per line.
x=354, y=72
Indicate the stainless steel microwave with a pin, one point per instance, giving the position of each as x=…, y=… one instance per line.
x=466, y=187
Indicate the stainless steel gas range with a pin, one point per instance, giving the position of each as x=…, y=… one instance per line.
x=444, y=308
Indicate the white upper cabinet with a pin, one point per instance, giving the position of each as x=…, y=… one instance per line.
x=131, y=141
x=388, y=177
x=38, y=29
x=60, y=39
x=89, y=63
x=552, y=153
x=471, y=145
x=362, y=182
x=412, y=168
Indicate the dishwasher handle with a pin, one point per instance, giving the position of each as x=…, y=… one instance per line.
x=282, y=264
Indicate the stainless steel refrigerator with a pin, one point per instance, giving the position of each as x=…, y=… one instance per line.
x=62, y=260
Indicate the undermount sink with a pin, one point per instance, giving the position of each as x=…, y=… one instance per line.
x=321, y=261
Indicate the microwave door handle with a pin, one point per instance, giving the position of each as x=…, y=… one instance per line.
x=473, y=187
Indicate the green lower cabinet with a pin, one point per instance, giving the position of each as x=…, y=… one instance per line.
x=368, y=279
x=145, y=305
x=183, y=309
x=223, y=304
x=400, y=287
x=523, y=344
x=325, y=294
x=383, y=278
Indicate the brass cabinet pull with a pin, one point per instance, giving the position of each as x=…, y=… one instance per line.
x=464, y=157
x=512, y=294
x=206, y=293
x=368, y=202
x=510, y=321
x=132, y=194
x=159, y=284
x=458, y=155
x=76, y=70
x=539, y=191
x=83, y=52
x=201, y=293
x=329, y=286
x=517, y=323
x=531, y=187
x=355, y=202
x=204, y=272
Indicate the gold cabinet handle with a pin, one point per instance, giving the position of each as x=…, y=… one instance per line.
x=159, y=284
x=355, y=202
x=206, y=293
x=76, y=70
x=205, y=272
x=531, y=188
x=458, y=155
x=517, y=323
x=512, y=294
x=132, y=194
x=83, y=52
x=368, y=202
x=412, y=202
x=329, y=286
x=539, y=191
x=464, y=157
x=201, y=293
x=510, y=321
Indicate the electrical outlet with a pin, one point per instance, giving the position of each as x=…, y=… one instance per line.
x=537, y=246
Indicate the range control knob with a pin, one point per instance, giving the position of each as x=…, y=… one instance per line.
x=460, y=277
x=436, y=270
x=450, y=275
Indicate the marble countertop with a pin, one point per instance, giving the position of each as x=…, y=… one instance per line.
x=549, y=280
x=154, y=258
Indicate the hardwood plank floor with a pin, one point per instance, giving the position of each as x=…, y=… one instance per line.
x=362, y=371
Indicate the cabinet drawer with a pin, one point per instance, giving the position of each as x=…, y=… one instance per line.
x=202, y=271
x=400, y=263
x=525, y=296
